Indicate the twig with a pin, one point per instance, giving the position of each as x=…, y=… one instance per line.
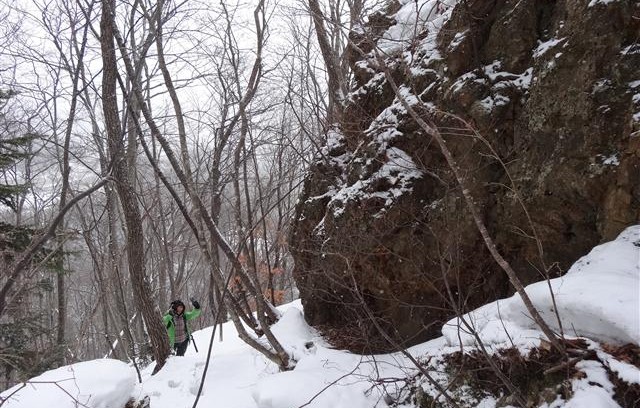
x=5, y=399
x=24, y=384
x=332, y=383
x=402, y=350
x=564, y=365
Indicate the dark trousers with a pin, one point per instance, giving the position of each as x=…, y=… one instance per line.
x=181, y=347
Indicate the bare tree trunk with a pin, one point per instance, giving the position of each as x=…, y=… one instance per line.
x=135, y=240
x=66, y=170
x=336, y=81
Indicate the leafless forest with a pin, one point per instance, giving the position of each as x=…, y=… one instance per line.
x=153, y=150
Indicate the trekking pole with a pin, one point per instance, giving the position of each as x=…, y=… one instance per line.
x=194, y=343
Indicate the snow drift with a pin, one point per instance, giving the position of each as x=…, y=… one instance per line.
x=598, y=298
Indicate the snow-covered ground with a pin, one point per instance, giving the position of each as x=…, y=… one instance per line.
x=599, y=298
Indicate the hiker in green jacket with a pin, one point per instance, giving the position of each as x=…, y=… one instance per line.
x=175, y=320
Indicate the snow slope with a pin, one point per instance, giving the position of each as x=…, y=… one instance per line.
x=598, y=298
x=97, y=384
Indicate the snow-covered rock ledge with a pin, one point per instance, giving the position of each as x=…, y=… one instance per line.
x=598, y=298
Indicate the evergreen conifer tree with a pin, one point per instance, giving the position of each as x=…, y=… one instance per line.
x=13, y=147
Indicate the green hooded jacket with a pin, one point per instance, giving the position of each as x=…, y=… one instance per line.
x=171, y=327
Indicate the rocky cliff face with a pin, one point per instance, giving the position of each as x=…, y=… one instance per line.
x=540, y=103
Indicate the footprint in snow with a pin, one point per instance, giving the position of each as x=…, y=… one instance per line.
x=194, y=389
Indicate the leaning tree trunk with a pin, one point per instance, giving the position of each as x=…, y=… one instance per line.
x=133, y=221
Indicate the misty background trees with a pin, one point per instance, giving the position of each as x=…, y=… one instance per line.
x=155, y=151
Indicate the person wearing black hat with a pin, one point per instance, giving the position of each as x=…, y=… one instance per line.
x=175, y=320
